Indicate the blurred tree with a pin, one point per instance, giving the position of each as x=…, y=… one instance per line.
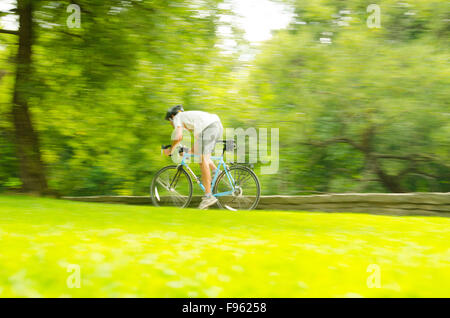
x=358, y=109
x=98, y=93
x=372, y=103
x=32, y=170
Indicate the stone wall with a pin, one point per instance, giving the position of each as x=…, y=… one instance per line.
x=375, y=203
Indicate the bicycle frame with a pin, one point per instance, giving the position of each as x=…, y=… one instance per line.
x=221, y=164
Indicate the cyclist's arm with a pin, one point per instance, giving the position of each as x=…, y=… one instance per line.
x=177, y=139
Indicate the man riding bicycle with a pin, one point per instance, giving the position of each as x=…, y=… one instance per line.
x=207, y=130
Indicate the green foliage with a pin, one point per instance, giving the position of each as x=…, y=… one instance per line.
x=9, y=176
x=99, y=93
x=370, y=105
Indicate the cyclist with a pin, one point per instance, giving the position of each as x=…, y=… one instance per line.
x=207, y=130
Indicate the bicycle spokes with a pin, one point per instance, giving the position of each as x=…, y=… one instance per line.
x=242, y=194
x=171, y=187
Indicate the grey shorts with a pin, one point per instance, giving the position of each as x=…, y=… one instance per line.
x=209, y=137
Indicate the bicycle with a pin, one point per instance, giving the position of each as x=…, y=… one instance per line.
x=236, y=187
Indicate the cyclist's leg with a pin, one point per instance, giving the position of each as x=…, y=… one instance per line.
x=198, y=150
x=211, y=164
x=206, y=173
x=208, y=200
x=217, y=134
x=208, y=141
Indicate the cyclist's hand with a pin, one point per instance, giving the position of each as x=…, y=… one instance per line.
x=167, y=151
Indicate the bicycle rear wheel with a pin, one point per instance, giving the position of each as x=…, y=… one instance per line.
x=171, y=187
x=246, y=193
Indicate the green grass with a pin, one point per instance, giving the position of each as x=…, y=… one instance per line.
x=129, y=251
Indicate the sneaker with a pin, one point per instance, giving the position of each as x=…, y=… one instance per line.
x=207, y=201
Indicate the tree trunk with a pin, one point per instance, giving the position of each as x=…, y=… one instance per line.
x=32, y=170
x=392, y=183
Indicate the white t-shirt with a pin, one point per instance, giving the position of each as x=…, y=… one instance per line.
x=194, y=120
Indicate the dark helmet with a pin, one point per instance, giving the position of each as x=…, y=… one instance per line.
x=173, y=111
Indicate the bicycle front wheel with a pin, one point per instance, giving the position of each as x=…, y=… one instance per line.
x=171, y=187
x=243, y=194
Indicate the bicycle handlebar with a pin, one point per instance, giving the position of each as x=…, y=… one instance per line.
x=180, y=148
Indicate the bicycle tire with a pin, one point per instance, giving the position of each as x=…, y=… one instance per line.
x=253, y=175
x=153, y=184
